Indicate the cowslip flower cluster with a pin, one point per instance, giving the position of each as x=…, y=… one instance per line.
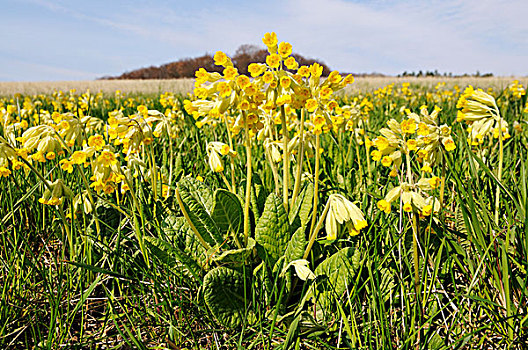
x=412, y=197
x=480, y=111
x=214, y=151
x=343, y=211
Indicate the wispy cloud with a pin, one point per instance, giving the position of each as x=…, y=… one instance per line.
x=358, y=36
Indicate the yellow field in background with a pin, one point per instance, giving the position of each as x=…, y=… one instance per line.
x=185, y=86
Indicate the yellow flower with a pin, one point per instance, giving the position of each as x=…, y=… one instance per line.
x=408, y=126
x=427, y=210
x=230, y=73
x=381, y=143
x=50, y=155
x=376, y=155
x=386, y=161
x=407, y=207
x=256, y=69
x=304, y=71
x=449, y=144
x=311, y=104
x=285, y=82
x=270, y=39
x=243, y=81
x=223, y=89
x=273, y=60
x=268, y=77
x=220, y=58
x=384, y=206
x=4, y=172
x=66, y=165
x=97, y=141
x=411, y=144
x=285, y=49
x=79, y=157
x=107, y=158
x=291, y=63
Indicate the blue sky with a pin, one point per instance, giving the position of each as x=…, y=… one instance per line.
x=44, y=40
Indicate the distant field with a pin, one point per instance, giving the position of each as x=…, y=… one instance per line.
x=185, y=86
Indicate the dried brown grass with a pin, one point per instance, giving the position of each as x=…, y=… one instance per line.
x=184, y=86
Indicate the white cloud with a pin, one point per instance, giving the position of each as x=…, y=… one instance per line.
x=359, y=36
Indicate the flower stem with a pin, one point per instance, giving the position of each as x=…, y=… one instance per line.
x=297, y=186
x=285, y=159
x=248, y=183
x=316, y=188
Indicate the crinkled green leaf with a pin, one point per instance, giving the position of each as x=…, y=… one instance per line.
x=224, y=295
x=236, y=257
x=338, y=270
x=273, y=230
x=227, y=213
x=303, y=205
x=295, y=246
x=198, y=202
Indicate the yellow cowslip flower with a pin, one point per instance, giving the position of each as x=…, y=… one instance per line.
x=256, y=69
x=334, y=77
x=98, y=185
x=224, y=89
x=283, y=99
x=376, y=155
x=270, y=39
x=411, y=144
x=230, y=73
x=107, y=158
x=449, y=144
x=423, y=129
x=97, y=141
x=393, y=172
x=434, y=182
x=220, y=58
x=311, y=104
x=427, y=210
x=386, y=161
x=384, y=206
x=273, y=60
x=349, y=79
x=108, y=188
x=304, y=71
x=407, y=207
x=285, y=82
x=290, y=63
x=408, y=126
x=325, y=93
x=341, y=210
x=243, y=81
x=66, y=165
x=381, y=143
x=268, y=78
x=79, y=157
x=201, y=76
x=50, y=155
x=4, y=172
x=426, y=168
x=215, y=162
x=285, y=49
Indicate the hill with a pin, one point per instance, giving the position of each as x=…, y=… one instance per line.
x=185, y=68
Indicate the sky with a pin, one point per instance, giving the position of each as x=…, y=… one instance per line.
x=54, y=40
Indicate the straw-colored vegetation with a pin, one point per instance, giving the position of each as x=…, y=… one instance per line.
x=185, y=86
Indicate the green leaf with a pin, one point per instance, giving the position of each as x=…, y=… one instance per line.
x=236, y=257
x=224, y=295
x=183, y=244
x=273, y=230
x=295, y=246
x=303, y=205
x=198, y=202
x=338, y=270
x=227, y=213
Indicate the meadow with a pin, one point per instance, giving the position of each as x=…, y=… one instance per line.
x=277, y=211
